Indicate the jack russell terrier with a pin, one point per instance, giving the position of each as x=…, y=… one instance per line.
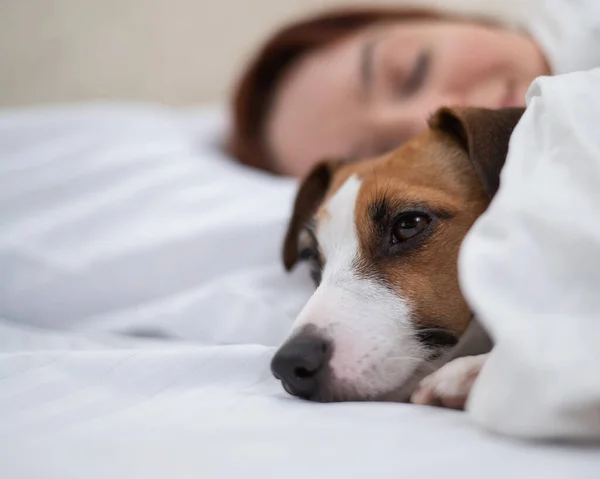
x=382, y=239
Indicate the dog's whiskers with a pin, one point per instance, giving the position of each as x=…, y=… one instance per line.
x=396, y=358
x=423, y=367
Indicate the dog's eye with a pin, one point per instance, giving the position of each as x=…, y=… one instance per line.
x=315, y=275
x=311, y=255
x=409, y=225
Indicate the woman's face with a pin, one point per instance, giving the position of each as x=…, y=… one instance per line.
x=371, y=91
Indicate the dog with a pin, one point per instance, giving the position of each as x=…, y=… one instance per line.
x=381, y=237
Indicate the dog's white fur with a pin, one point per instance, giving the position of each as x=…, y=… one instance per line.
x=374, y=350
x=451, y=384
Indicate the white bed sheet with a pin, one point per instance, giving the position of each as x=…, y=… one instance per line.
x=141, y=298
x=529, y=269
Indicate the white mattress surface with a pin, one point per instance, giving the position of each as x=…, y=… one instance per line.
x=141, y=298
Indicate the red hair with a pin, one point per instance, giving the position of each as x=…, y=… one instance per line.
x=258, y=84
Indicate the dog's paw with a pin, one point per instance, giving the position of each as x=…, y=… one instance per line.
x=450, y=385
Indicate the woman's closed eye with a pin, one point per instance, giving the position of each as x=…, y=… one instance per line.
x=417, y=75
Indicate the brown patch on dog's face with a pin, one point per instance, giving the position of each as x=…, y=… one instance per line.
x=431, y=179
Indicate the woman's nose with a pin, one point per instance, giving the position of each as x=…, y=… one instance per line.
x=415, y=118
x=402, y=121
x=437, y=100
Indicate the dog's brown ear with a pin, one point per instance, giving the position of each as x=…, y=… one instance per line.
x=308, y=199
x=484, y=134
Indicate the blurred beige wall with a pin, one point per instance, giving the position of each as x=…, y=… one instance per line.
x=178, y=52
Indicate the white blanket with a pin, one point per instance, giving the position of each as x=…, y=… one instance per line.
x=531, y=269
x=126, y=221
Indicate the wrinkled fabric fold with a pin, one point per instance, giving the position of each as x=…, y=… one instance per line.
x=530, y=268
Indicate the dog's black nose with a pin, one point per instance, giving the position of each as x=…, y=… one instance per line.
x=300, y=363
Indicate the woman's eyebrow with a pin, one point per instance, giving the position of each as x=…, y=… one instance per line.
x=366, y=65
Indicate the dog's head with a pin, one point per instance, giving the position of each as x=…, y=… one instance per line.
x=382, y=238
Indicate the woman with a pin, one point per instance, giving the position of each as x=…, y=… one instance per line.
x=352, y=84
